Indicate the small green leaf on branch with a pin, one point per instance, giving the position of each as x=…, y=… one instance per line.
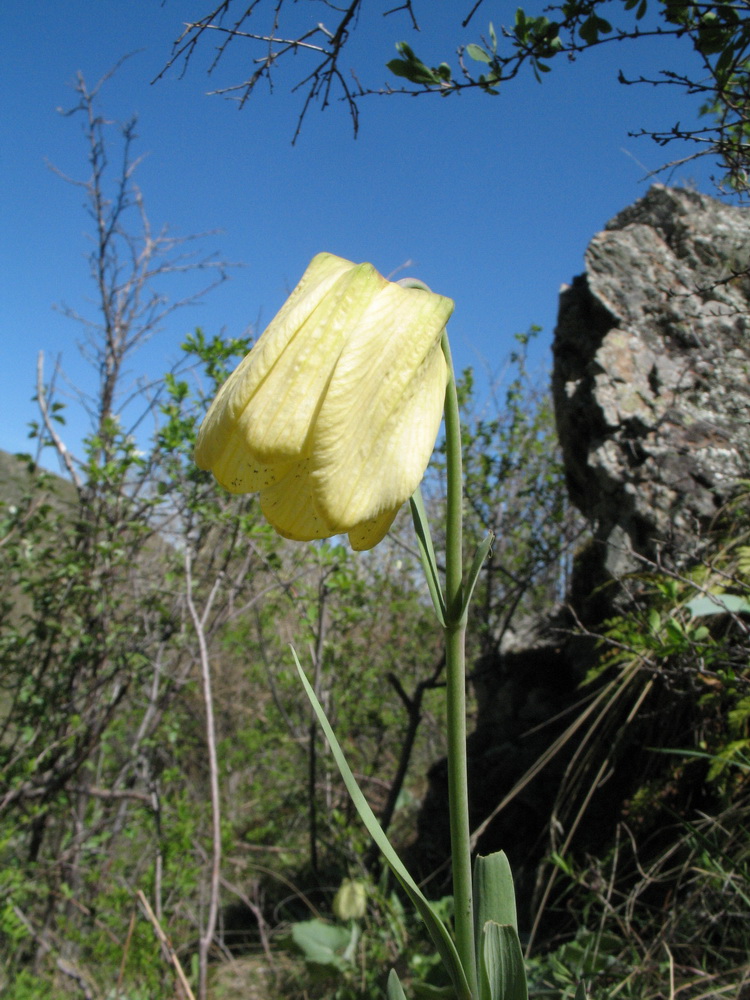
x=478, y=54
x=410, y=67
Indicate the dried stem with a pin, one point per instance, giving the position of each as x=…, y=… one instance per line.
x=199, y=622
x=166, y=945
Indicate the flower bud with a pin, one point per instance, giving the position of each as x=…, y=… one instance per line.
x=350, y=902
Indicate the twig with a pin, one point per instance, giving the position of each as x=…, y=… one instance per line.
x=413, y=706
x=213, y=772
x=62, y=451
x=125, y=953
x=670, y=958
x=112, y=793
x=166, y=945
x=257, y=913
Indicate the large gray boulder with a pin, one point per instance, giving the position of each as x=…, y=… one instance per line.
x=651, y=376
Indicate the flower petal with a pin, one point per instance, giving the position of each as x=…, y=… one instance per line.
x=290, y=508
x=285, y=403
x=262, y=416
x=367, y=534
x=224, y=438
x=239, y=471
x=377, y=426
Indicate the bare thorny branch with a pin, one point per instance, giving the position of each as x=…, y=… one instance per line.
x=47, y=420
x=566, y=28
x=328, y=45
x=126, y=259
x=324, y=82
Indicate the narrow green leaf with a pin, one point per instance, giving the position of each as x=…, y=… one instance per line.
x=476, y=565
x=562, y=863
x=581, y=991
x=494, y=895
x=436, y=928
x=395, y=990
x=502, y=975
x=427, y=554
x=724, y=62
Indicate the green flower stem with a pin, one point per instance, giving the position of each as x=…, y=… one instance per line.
x=455, y=634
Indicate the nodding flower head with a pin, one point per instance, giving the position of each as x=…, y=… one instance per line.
x=333, y=415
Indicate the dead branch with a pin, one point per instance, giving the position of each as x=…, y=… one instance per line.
x=41, y=396
x=199, y=622
x=166, y=945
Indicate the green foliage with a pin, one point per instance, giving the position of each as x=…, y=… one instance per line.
x=350, y=960
x=502, y=974
x=28, y=986
x=672, y=676
x=93, y=582
x=689, y=628
x=718, y=32
x=630, y=945
x=591, y=957
x=515, y=494
x=411, y=68
x=329, y=945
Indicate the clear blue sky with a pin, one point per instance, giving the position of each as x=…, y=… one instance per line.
x=493, y=199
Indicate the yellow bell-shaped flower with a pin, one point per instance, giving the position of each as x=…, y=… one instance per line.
x=350, y=901
x=333, y=415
